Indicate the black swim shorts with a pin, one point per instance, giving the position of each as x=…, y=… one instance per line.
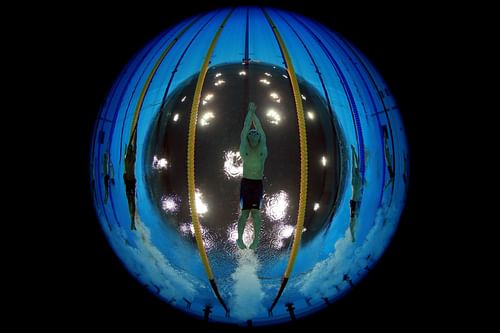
x=129, y=185
x=251, y=192
x=354, y=207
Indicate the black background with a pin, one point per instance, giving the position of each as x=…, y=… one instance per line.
x=82, y=52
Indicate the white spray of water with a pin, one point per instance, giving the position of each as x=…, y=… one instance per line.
x=154, y=269
x=327, y=276
x=246, y=302
x=376, y=240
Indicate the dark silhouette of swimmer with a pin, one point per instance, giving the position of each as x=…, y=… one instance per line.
x=355, y=202
x=92, y=184
x=405, y=170
x=130, y=181
x=109, y=175
x=388, y=156
x=253, y=151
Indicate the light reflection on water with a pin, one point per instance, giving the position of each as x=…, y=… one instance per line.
x=201, y=206
x=274, y=116
x=275, y=205
x=170, y=203
x=187, y=230
x=159, y=163
x=206, y=117
x=233, y=164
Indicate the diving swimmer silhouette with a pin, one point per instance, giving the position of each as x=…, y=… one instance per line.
x=253, y=151
x=356, y=192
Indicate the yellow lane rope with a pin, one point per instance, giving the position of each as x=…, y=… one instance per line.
x=191, y=158
x=150, y=78
x=303, y=154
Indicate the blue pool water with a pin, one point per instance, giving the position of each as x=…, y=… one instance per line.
x=350, y=116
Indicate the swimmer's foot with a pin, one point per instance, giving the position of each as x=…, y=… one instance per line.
x=240, y=243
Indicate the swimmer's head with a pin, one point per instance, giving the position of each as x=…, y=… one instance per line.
x=253, y=138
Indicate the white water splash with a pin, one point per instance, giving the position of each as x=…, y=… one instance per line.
x=247, y=290
x=147, y=262
x=327, y=277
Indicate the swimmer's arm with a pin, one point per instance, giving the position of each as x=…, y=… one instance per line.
x=258, y=127
x=246, y=128
x=387, y=152
x=355, y=157
x=111, y=169
x=248, y=122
